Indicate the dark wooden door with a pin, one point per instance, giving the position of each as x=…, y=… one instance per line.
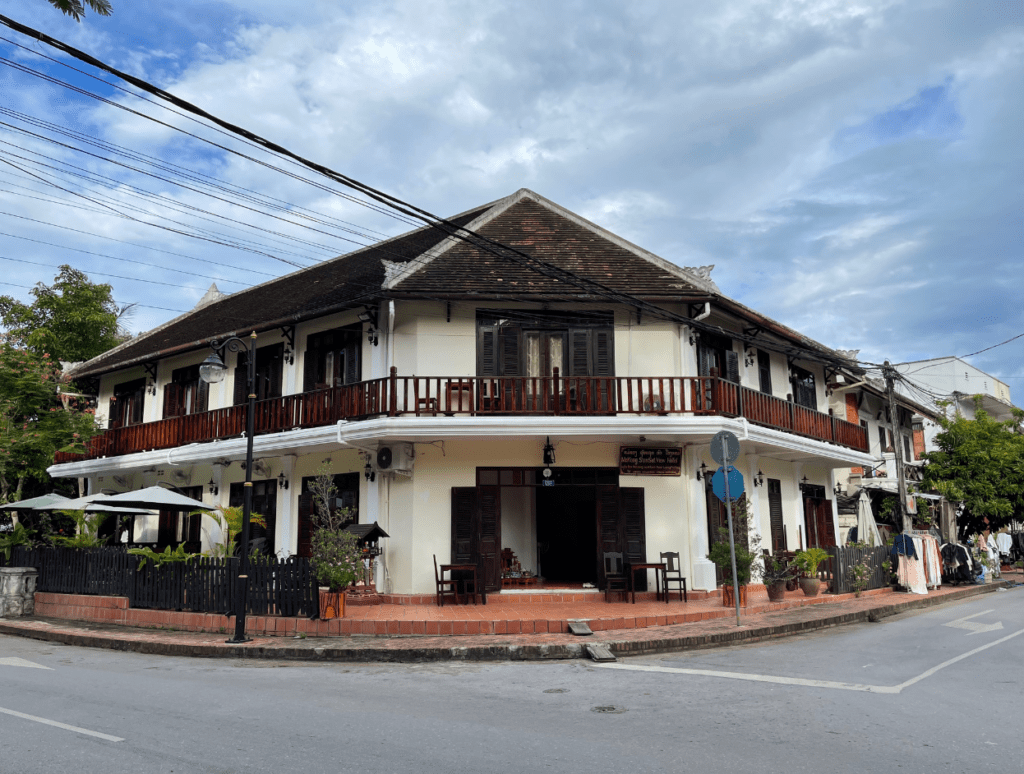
x=821, y=531
x=476, y=532
x=621, y=527
x=775, y=515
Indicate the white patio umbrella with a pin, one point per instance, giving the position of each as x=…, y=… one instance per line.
x=867, y=530
x=89, y=503
x=44, y=502
x=154, y=497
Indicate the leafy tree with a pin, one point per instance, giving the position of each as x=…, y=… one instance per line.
x=71, y=320
x=76, y=10
x=34, y=422
x=979, y=464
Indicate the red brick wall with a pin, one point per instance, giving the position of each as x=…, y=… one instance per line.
x=918, y=444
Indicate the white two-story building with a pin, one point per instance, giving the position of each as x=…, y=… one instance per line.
x=429, y=374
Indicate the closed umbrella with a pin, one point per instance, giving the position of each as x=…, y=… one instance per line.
x=867, y=530
x=154, y=497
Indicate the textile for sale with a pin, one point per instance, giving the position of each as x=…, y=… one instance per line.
x=911, y=570
x=932, y=561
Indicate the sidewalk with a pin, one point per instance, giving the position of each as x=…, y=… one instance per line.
x=651, y=638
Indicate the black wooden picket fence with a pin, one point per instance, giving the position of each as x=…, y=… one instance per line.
x=842, y=558
x=204, y=585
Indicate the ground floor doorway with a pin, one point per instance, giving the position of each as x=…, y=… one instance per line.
x=557, y=527
x=264, y=503
x=567, y=534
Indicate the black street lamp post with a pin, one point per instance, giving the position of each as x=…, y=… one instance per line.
x=212, y=371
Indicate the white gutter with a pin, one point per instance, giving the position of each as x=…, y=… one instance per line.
x=705, y=314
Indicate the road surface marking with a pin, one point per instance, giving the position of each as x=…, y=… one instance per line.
x=755, y=678
x=65, y=726
x=758, y=678
x=945, y=664
x=15, y=661
x=974, y=628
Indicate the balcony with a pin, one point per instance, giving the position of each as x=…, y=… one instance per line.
x=421, y=396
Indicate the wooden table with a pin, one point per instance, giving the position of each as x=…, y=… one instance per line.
x=449, y=568
x=659, y=569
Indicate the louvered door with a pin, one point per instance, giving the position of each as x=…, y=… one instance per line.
x=775, y=515
x=634, y=530
x=464, y=526
x=489, y=506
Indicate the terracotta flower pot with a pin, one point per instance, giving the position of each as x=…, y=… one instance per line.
x=332, y=604
x=729, y=600
x=776, y=591
x=810, y=586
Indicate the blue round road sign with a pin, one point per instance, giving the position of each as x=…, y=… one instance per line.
x=735, y=483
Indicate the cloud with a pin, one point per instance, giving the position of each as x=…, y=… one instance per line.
x=852, y=169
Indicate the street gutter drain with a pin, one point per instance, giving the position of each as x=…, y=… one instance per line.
x=608, y=710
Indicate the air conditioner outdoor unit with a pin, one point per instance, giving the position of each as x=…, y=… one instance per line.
x=397, y=458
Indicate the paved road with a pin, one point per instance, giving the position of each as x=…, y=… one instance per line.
x=910, y=694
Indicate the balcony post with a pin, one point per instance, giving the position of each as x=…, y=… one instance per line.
x=393, y=390
x=558, y=394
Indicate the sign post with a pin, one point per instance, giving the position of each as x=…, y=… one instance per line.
x=725, y=448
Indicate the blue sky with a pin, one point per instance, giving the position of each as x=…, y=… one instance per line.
x=851, y=168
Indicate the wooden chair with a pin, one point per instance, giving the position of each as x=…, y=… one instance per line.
x=445, y=586
x=615, y=576
x=673, y=573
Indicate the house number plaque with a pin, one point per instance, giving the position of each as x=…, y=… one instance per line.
x=641, y=461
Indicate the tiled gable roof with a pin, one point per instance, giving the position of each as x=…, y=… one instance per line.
x=542, y=231
x=329, y=286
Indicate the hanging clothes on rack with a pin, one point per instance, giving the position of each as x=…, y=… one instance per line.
x=932, y=560
x=910, y=574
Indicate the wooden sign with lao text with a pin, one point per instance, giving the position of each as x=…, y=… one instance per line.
x=640, y=461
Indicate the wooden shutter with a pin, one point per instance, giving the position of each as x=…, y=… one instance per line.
x=634, y=529
x=604, y=365
x=579, y=352
x=463, y=526
x=309, y=364
x=305, y=542
x=173, y=402
x=202, y=403
x=167, y=528
x=609, y=532
x=241, y=377
x=511, y=345
x=826, y=525
x=775, y=515
x=732, y=366
x=352, y=365
x=273, y=370
x=489, y=552
x=705, y=359
x=487, y=354
x=764, y=371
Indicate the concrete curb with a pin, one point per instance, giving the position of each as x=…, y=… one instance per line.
x=358, y=650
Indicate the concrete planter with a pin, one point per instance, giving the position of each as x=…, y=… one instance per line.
x=17, y=591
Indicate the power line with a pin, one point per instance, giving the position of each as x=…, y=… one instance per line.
x=1001, y=343
x=133, y=303
x=103, y=274
x=411, y=211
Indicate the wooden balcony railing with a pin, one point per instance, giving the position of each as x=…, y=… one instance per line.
x=482, y=396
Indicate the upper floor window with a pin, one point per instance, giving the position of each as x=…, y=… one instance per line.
x=764, y=371
x=715, y=351
x=127, y=403
x=804, y=393
x=269, y=371
x=186, y=393
x=332, y=358
x=534, y=343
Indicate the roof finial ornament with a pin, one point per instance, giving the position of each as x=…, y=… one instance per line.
x=702, y=273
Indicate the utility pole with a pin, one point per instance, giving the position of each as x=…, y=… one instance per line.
x=897, y=443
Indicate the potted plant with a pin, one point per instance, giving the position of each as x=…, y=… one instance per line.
x=807, y=562
x=720, y=555
x=336, y=558
x=776, y=574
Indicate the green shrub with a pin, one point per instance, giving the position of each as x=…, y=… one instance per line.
x=337, y=560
